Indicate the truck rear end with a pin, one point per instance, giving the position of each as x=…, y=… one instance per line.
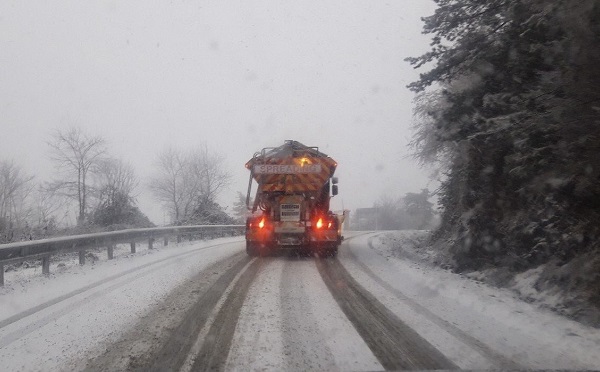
x=291, y=205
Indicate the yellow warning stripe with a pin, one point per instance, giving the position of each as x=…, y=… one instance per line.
x=297, y=182
x=289, y=187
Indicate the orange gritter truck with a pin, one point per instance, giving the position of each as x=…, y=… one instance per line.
x=291, y=205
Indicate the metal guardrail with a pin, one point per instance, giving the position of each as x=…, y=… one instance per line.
x=42, y=249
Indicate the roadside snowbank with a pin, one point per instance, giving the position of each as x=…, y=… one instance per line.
x=548, y=286
x=519, y=331
x=79, y=309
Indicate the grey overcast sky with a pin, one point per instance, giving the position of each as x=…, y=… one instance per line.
x=237, y=75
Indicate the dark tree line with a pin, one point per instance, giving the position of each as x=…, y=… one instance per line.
x=510, y=109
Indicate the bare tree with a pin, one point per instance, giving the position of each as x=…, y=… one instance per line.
x=75, y=153
x=114, y=178
x=15, y=189
x=168, y=183
x=184, y=180
x=48, y=205
x=209, y=168
x=115, y=186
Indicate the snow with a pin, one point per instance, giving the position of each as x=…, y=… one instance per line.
x=289, y=319
x=530, y=336
x=258, y=341
x=57, y=337
x=525, y=286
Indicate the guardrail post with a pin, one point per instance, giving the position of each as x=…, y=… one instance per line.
x=132, y=244
x=110, y=250
x=150, y=242
x=46, y=265
x=1, y=275
x=82, y=257
x=166, y=241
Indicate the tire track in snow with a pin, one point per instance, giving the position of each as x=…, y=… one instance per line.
x=498, y=359
x=395, y=345
x=217, y=343
x=64, y=297
x=171, y=321
x=175, y=349
x=257, y=341
x=290, y=321
x=303, y=344
x=120, y=280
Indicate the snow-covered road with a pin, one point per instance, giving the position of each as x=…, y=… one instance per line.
x=207, y=305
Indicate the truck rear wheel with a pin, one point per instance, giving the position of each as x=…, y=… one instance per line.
x=327, y=251
x=333, y=251
x=251, y=249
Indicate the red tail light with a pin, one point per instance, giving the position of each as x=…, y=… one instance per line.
x=256, y=223
x=324, y=223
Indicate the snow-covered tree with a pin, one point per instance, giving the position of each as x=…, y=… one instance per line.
x=240, y=210
x=183, y=181
x=116, y=184
x=208, y=212
x=510, y=104
x=418, y=209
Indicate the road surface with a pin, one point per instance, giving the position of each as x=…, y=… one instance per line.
x=208, y=306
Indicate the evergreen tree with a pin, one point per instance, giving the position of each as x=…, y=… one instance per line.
x=418, y=209
x=119, y=212
x=240, y=210
x=208, y=212
x=516, y=116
